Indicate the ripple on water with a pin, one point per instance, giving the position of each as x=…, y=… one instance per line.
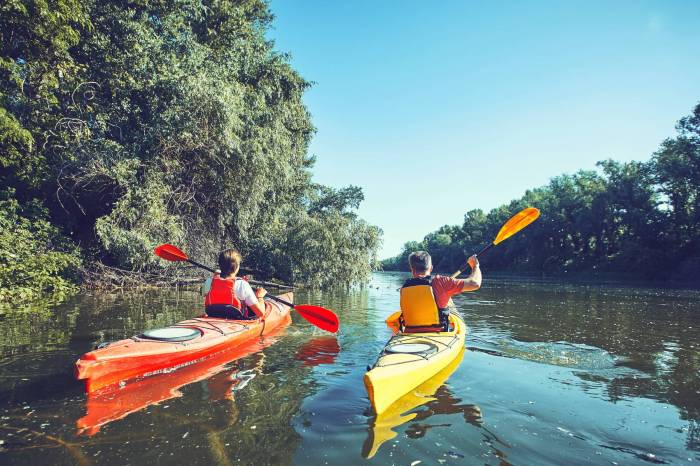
x=559, y=353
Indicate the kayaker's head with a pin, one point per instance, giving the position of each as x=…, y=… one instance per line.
x=421, y=263
x=229, y=262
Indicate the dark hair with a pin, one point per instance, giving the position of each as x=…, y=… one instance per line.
x=229, y=261
x=420, y=261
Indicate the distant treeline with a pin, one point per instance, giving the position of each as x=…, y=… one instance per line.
x=635, y=219
x=125, y=124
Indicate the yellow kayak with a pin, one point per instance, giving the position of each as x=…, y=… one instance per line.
x=398, y=413
x=410, y=359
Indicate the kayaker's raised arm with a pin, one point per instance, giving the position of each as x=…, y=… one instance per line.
x=473, y=281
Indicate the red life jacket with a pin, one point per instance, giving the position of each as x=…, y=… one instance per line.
x=222, y=292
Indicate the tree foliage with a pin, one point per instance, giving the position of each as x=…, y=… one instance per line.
x=34, y=259
x=136, y=123
x=639, y=219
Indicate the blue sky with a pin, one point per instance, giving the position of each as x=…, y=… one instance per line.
x=436, y=108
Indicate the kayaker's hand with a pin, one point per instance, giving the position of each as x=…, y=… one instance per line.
x=473, y=262
x=260, y=292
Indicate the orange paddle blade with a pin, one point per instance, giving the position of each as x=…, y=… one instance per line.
x=393, y=320
x=318, y=316
x=170, y=253
x=516, y=223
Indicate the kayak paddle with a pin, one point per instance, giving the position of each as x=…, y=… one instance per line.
x=516, y=223
x=175, y=254
x=321, y=317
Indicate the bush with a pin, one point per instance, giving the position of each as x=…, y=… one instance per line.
x=35, y=260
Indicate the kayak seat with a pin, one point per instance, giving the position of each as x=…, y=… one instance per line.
x=428, y=329
x=441, y=327
x=424, y=329
x=227, y=311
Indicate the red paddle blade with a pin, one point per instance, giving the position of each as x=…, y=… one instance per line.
x=318, y=316
x=170, y=253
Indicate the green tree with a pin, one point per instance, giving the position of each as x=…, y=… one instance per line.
x=676, y=170
x=36, y=73
x=612, y=220
x=170, y=121
x=34, y=259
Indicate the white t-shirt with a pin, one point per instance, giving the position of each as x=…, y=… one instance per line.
x=244, y=292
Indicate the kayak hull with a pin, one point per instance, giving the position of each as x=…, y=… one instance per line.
x=396, y=374
x=105, y=406
x=402, y=410
x=139, y=357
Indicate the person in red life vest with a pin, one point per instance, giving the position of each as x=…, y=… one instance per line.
x=229, y=296
x=425, y=298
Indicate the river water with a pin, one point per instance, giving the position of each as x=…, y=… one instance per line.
x=552, y=374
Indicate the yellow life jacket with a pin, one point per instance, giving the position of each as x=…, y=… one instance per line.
x=419, y=311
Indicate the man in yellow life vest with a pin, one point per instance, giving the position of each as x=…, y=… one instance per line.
x=425, y=298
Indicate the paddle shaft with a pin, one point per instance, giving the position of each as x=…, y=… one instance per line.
x=278, y=285
x=201, y=265
x=316, y=315
x=254, y=282
x=514, y=224
x=280, y=300
x=480, y=253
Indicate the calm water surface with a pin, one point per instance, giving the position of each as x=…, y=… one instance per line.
x=552, y=374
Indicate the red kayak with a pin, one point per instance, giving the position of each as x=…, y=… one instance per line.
x=171, y=348
x=105, y=406
x=221, y=376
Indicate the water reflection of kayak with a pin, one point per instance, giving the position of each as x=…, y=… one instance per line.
x=381, y=429
x=409, y=359
x=175, y=347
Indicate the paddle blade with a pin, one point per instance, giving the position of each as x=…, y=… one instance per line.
x=393, y=321
x=170, y=253
x=318, y=316
x=516, y=223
